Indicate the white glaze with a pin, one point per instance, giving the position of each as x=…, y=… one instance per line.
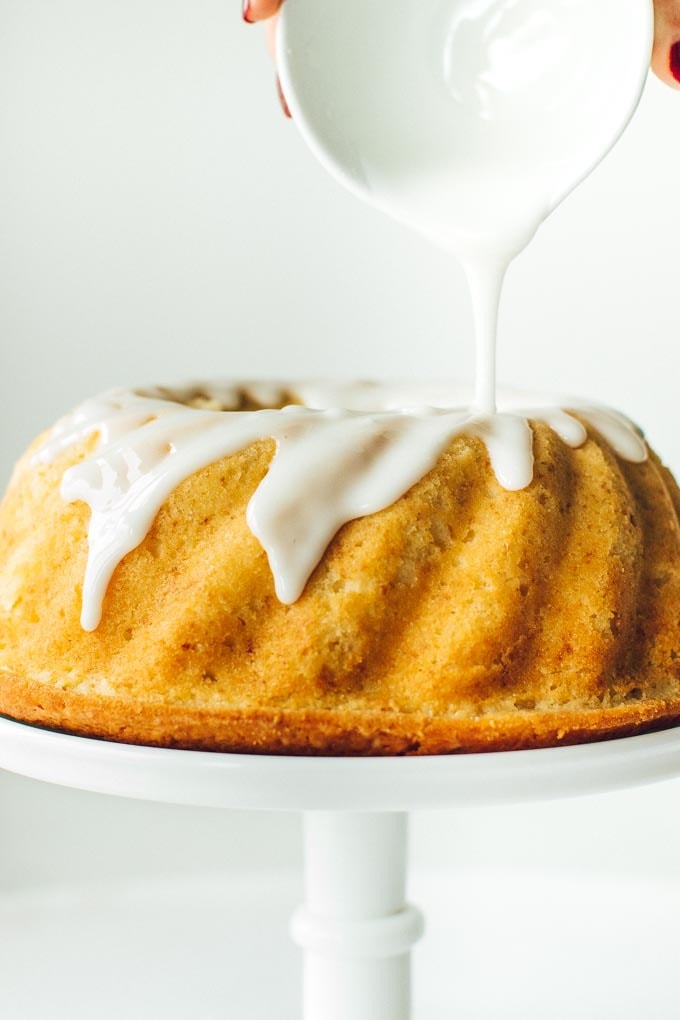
x=502, y=132
x=332, y=464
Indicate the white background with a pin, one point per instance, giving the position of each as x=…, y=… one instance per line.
x=159, y=219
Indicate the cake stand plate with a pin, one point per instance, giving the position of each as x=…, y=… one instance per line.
x=355, y=927
x=281, y=783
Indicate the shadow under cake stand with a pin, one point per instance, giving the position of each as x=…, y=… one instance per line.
x=355, y=927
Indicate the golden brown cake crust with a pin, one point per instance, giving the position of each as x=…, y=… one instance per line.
x=462, y=618
x=265, y=731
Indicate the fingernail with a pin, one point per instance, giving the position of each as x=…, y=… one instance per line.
x=282, y=98
x=675, y=61
x=246, y=12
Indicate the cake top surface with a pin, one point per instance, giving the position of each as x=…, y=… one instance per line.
x=343, y=451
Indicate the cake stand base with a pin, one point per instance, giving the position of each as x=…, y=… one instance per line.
x=355, y=926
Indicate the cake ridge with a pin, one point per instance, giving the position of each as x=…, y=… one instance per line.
x=461, y=617
x=332, y=464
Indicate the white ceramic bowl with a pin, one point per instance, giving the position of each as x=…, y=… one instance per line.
x=398, y=98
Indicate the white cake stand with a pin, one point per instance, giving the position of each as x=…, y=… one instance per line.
x=355, y=928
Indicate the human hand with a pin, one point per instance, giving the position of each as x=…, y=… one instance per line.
x=266, y=10
x=665, y=55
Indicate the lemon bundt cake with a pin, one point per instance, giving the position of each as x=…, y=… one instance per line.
x=251, y=569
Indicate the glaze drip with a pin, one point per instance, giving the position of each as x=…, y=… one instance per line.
x=332, y=463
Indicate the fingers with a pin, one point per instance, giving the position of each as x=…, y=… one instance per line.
x=666, y=62
x=282, y=99
x=666, y=52
x=260, y=10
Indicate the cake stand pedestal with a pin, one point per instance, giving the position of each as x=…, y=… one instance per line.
x=355, y=926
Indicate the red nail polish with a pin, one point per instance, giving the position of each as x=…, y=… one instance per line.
x=246, y=12
x=675, y=60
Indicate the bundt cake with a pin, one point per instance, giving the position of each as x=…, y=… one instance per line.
x=203, y=569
